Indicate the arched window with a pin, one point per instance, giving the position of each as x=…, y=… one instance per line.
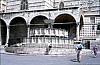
x=24, y=5
x=61, y=5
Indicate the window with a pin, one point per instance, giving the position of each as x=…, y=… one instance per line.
x=24, y=5
x=92, y=19
x=61, y=5
x=98, y=26
x=3, y=10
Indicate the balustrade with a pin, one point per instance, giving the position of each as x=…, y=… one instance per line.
x=48, y=32
x=47, y=35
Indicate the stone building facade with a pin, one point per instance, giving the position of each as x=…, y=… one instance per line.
x=2, y=5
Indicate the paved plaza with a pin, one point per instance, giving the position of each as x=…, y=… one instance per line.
x=14, y=59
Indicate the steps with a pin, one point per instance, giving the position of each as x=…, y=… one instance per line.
x=42, y=51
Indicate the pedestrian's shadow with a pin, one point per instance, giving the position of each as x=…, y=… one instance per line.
x=92, y=56
x=74, y=60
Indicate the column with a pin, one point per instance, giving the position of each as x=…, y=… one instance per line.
x=7, y=40
x=28, y=34
x=77, y=34
x=0, y=34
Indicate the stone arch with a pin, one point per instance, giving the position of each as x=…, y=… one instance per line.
x=67, y=22
x=38, y=20
x=18, y=30
x=3, y=32
x=24, y=5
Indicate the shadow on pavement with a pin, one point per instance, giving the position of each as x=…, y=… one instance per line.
x=74, y=60
x=92, y=56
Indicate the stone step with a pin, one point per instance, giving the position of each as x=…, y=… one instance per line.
x=55, y=51
x=42, y=48
x=68, y=46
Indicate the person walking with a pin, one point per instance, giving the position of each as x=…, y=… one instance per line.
x=79, y=48
x=95, y=51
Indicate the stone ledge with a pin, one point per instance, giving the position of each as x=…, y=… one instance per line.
x=41, y=51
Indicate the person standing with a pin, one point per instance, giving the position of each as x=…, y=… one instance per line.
x=79, y=48
x=95, y=51
x=48, y=49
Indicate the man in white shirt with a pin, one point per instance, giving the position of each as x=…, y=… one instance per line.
x=79, y=48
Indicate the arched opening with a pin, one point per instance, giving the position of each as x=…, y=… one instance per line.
x=67, y=22
x=18, y=30
x=3, y=32
x=24, y=5
x=38, y=22
x=37, y=26
x=61, y=5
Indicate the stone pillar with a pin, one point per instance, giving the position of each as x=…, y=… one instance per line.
x=7, y=40
x=28, y=34
x=28, y=30
x=0, y=34
x=77, y=33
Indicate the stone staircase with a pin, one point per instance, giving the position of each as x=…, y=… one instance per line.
x=40, y=49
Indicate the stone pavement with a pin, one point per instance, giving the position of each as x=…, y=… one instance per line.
x=14, y=59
